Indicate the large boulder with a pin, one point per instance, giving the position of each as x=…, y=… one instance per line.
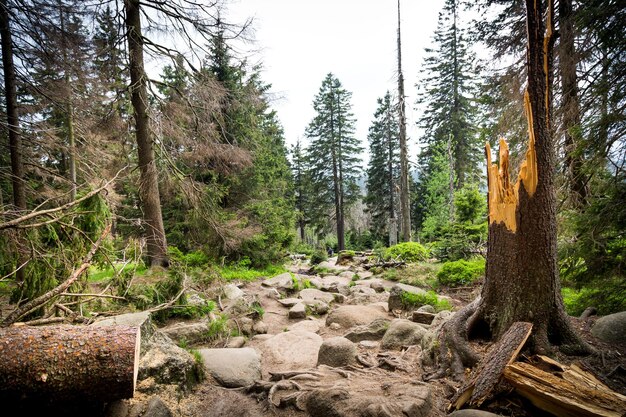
x=295, y=349
x=337, y=352
x=192, y=332
x=283, y=281
x=167, y=363
x=298, y=311
x=232, y=368
x=399, y=293
x=232, y=292
x=311, y=325
x=355, y=315
x=402, y=333
x=312, y=294
x=371, y=331
x=611, y=328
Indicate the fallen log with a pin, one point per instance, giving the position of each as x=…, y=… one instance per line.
x=565, y=391
x=58, y=364
x=390, y=264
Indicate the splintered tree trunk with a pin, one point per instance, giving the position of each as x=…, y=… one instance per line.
x=149, y=183
x=68, y=363
x=405, y=209
x=522, y=281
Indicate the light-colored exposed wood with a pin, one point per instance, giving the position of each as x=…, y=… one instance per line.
x=570, y=392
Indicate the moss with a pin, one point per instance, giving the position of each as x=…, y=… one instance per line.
x=461, y=272
x=410, y=300
x=407, y=251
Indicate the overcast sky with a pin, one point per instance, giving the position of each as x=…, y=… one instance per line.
x=300, y=41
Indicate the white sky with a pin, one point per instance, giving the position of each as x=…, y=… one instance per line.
x=300, y=41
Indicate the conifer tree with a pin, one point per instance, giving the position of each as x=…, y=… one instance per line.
x=383, y=171
x=333, y=155
x=300, y=187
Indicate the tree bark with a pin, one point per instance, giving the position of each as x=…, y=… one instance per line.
x=405, y=208
x=149, y=183
x=68, y=363
x=13, y=123
x=570, y=106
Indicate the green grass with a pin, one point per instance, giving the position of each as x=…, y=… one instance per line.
x=242, y=273
x=99, y=275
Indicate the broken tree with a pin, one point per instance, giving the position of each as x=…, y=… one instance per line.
x=68, y=363
x=522, y=281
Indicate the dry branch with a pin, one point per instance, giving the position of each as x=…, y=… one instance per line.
x=33, y=305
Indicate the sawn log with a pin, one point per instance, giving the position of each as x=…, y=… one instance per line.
x=68, y=363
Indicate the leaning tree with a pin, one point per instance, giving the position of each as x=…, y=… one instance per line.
x=522, y=278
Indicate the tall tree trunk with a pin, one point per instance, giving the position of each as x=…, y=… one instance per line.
x=522, y=276
x=405, y=208
x=393, y=223
x=570, y=105
x=13, y=123
x=149, y=185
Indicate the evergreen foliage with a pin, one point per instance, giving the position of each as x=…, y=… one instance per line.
x=383, y=169
x=333, y=157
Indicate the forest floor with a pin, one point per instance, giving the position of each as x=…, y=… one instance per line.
x=393, y=377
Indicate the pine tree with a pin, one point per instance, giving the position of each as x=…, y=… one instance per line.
x=447, y=92
x=301, y=187
x=383, y=171
x=333, y=156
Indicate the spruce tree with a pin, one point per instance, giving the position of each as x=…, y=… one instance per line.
x=383, y=171
x=333, y=156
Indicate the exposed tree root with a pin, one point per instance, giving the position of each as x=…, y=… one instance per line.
x=453, y=353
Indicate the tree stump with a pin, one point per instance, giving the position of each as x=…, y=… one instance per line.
x=58, y=364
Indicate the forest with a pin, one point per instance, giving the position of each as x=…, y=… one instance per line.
x=143, y=168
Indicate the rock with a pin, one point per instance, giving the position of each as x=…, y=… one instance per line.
x=347, y=274
x=236, y=342
x=611, y=328
x=232, y=292
x=354, y=315
x=402, y=333
x=289, y=302
x=361, y=289
x=332, y=283
x=298, y=311
x=313, y=326
x=195, y=299
x=441, y=318
x=167, y=363
x=260, y=327
x=191, y=332
x=157, y=408
x=312, y=294
x=232, y=368
x=142, y=320
x=396, y=295
x=317, y=307
x=330, y=264
x=339, y=298
x=337, y=352
x=389, y=399
x=369, y=344
x=262, y=337
x=335, y=326
x=273, y=293
x=372, y=331
x=422, y=317
x=377, y=286
x=381, y=304
x=427, y=308
x=472, y=413
x=295, y=349
x=283, y=281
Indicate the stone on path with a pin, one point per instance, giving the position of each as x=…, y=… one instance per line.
x=371, y=331
x=191, y=332
x=298, y=311
x=283, y=281
x=312, y=326
x=611, y=328
x=157, y=408
x=296, y=349
x=337, y=352
x=232, y=368
x=348, y=316
x=398, y=292
x=312, y=294
x=232, y=292
x=402, y=333
x=422, y=317
x=167, y=363
x=289, y=302
x=236, y=342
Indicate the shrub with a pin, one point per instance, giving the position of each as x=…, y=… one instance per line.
x=407, y=251
x=318, y=256
x=430, y=298
x=461, y=272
